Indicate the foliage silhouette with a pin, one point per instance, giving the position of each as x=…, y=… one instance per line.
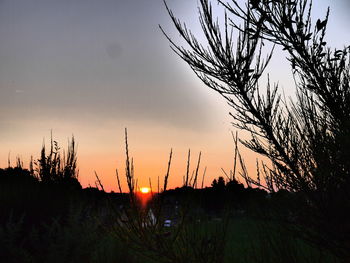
x=48, y=221
x=47, y=190
x=306, y=140
x=56, y=169
x=219, y=183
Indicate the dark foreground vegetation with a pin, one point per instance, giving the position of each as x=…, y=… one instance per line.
x=305, y=139
x=46, y=216
x=299, y=210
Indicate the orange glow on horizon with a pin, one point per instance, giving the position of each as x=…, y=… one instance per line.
x=145, y=190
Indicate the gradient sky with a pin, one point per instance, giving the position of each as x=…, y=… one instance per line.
x=93, y=67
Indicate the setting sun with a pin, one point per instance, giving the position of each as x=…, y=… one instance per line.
x=145, y=190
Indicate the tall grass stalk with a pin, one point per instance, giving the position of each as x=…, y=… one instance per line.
x=143, y=229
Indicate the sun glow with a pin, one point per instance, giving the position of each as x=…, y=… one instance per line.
x=145, y=190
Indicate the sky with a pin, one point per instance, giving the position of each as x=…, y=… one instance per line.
x=91, y=68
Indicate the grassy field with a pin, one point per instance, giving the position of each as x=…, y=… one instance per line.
x=88, y=240
x=251, y=240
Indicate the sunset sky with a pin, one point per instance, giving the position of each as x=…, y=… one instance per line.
x=90, y=68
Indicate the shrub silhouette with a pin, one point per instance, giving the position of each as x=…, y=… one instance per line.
x=306, y=140
x=47, y=190
x=17, y=175
x=219, y=184
x=54, y=168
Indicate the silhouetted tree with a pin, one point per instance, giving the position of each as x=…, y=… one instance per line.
x=214, y=183
x=307, y=140
x=219, y=184
x=234, y=186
